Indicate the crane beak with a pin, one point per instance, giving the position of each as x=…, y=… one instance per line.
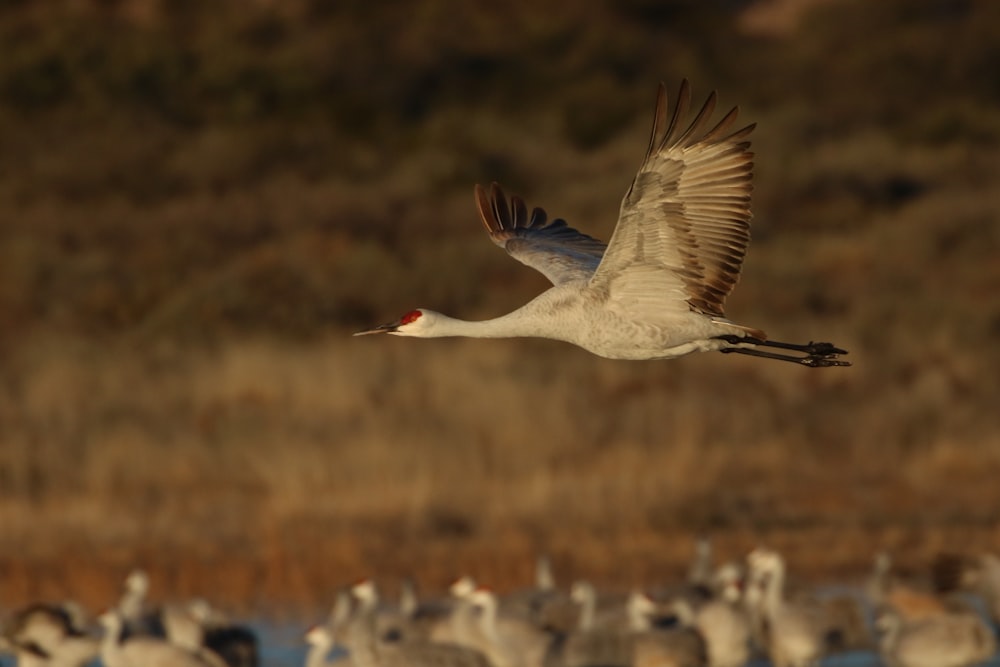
x=382, y=328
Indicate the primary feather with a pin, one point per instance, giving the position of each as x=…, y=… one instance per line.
x=559, y=252
x=684, y=224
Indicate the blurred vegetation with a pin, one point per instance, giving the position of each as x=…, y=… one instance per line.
x=184, y=182
x=147, y=146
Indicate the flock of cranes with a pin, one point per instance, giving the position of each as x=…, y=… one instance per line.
x=739, y=613
x=132, y=633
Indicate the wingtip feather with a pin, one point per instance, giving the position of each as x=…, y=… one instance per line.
x=485, y=209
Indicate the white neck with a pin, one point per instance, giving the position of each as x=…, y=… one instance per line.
x=773, y=595
x=362, y=643
x=731, y=593
x=511, y=325
x=588, y=607
x=110, y=643
x=989, y=579
x=488, y=617
x=549, y=315
x=638, y=613
x=544, y=580
x=684, y=612
x=316, y=656
x=132, y=604
x=890, y=625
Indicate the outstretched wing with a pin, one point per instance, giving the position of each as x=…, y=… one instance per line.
x=551, y=247
x=684, y=224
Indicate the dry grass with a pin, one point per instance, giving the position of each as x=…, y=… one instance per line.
x=310, y=465
x=192, y=228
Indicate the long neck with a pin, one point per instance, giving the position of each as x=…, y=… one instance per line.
x=890, y=625
x=132, y=604
x=548, y=315
x=989, y=583
x=110, y=643
x=511, y=325
x=488, y=618
x=544, y=580
x=316, y=657
x=684, y=612
x=638, y=613
x=361, y=643
x=775, y=589
x=588, y=607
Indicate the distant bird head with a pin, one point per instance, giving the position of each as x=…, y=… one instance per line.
x=137, y=582
x=728, y=581
x=764, y=565
x=640, y=604
x=365, y=592
x=110, y=621
x=414, y=323
x=319, y=635
x=581, y=591
x=463, y=587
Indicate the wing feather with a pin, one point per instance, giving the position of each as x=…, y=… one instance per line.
x=551, y=247
x=684, y=224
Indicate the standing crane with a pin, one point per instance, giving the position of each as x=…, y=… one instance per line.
x=657, y=290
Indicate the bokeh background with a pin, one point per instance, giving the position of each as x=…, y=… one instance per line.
x=199, y=201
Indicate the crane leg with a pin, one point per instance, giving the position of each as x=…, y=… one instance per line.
x=815, y=355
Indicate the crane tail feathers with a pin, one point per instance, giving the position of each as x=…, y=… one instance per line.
x=750, y=332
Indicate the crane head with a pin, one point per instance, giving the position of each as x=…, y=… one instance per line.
x=408, y=325
x=319, y=635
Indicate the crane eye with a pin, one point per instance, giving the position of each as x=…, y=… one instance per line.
x=411, y=316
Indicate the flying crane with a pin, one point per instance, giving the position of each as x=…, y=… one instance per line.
x=657, y=289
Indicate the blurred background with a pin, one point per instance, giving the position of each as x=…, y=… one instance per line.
x=199, y=202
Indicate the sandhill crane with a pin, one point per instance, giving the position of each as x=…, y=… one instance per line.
x=321, y=641
x=410, y=619
x=192, y=625
x=461, y=625
x=137, y=616
x=983, y=576
x=147, y=651
x=421, y=616
x=508, y=641
x=955, y=639
x=657, y=290
x=626, y=636
x=794, y=632
x=700, y=571
x=604, y=639
x=599, y=647
x=196, y=624
x=389, y=622
x=722, y=620
x=39, y=624
x=542, y=602
x=46, y=634
x=366, y=649
x=584, y=594
x=654, y=646
x=887, y=592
